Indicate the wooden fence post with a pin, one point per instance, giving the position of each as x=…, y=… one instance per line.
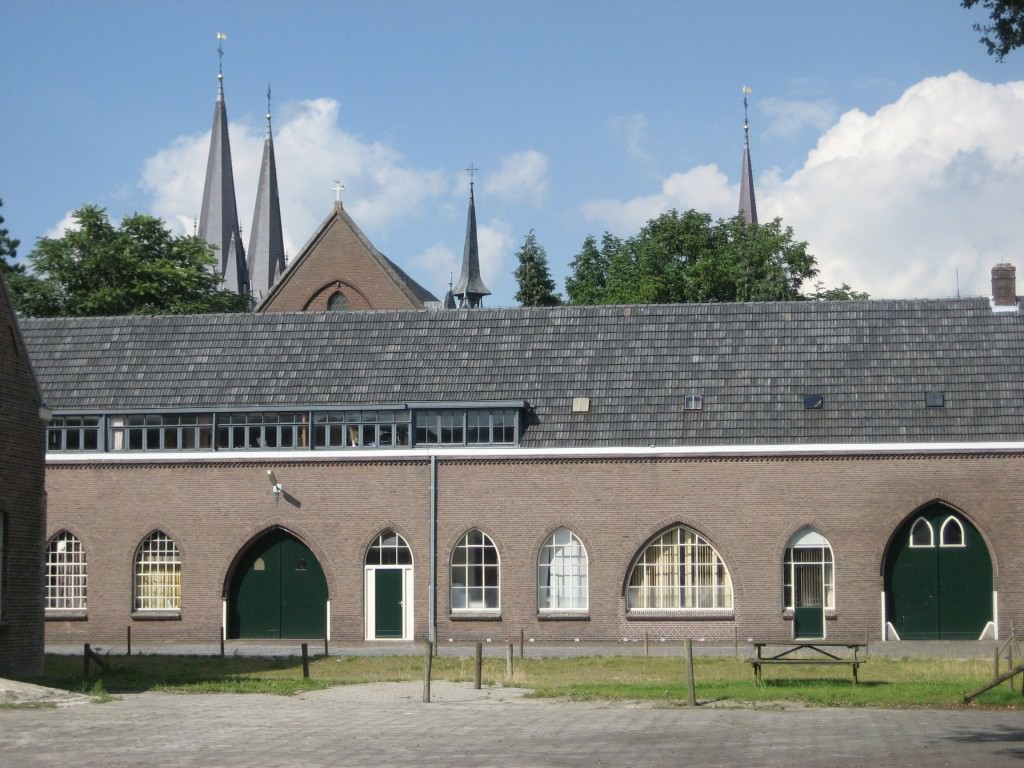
x=305, y=660
x=478, y=663
x=508, y=661
x=691, y=694
x=428, y=659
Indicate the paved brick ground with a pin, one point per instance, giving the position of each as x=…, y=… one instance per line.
x=389, y=725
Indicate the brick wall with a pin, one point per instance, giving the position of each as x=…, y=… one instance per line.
x=21, y=505
x=748, y=508
x=338, y=259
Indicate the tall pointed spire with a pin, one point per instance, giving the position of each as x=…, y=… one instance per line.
x=266, y=237
x=748, y=206
x=218, y=218
x=470, y=288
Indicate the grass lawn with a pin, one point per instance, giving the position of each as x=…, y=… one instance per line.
x=885, y=682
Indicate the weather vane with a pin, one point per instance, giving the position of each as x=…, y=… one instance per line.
x=221, y=37
x=746, y=90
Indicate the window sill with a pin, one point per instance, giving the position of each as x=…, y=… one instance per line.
x=475, y=616
x=831, y=614
x=697, y=614
x=562, y=616
x=156, y=615
x=58, y=615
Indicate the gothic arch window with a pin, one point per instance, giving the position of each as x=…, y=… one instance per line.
x=952, y=533
x=475, y=574
x=562, y=573
x=158, y=574
x=66, y=578
x=921, y=534
x=389, y=549
x=337, y=302
x=679, y=570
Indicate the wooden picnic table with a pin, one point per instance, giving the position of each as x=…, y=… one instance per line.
x=808, y=652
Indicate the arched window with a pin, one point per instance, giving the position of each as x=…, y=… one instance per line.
x=337, y=302
x=952, y=533
x=562, y=573
x=679, y=570
x=389, y=549
x=922, y=535
x=158, y=574
x=65, y=574
x=475, y=574
x=808, y=572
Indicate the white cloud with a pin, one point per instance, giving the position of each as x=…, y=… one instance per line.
x=921, y=195
x=914, y=200
x=312, y=151
x=704, y=188
x=787, y=118
x=521, y=177
x=68, y=223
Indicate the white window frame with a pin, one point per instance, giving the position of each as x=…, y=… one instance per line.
x=157, y=574
x=563, y=574
x=931, y=534
x=679, y=572
x=807, y=540
x=66, y=574
x=475, y=574
x=942, y=533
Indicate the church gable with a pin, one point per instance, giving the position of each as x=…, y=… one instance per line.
x=339, y=268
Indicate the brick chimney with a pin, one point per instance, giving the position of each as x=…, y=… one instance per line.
x=1004, y=286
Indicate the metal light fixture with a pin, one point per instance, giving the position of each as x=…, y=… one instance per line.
x=275, y=486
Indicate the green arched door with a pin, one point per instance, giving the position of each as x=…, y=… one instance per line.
x=938, y=578
x=278, y=590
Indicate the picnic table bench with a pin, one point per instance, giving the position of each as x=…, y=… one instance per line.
x=808, y=652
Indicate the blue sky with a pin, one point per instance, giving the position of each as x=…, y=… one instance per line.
x=882, y=132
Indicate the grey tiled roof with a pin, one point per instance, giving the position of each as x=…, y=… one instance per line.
x=872, y=361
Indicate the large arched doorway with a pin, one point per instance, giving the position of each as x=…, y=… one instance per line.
x=277, y=590
x=938, y=578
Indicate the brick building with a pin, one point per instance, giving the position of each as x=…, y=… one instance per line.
x=22, y=504
x=708, y=471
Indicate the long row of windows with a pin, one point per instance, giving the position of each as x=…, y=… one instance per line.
x=233, y=431
x=678, y=571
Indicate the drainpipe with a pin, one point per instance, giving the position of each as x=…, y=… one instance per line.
x=432, y=587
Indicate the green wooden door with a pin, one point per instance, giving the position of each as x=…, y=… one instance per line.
x=278, y=591
x=938, y=578
x=809, y=611
x=388, y=604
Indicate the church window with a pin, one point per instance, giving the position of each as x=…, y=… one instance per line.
x=952, y=533
x=808, y=571
x=922, y=535
x=389, y=549
x=337, y=302
x=65, y=574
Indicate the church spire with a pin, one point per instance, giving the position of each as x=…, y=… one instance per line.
x=470, y=288
x=218, y=218
x=748, y=206
x=266, y=238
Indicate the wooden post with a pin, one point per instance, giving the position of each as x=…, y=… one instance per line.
x=222, y=642
x=996, y=663
x=86, y=653
x=428, y=660
x=736, y=641
x=647, y=649
x=327, y=650
x=305, y=660
x=129, y=639
x=691, y=695
x=522, y=646
x=508, y=661
x=478, y=663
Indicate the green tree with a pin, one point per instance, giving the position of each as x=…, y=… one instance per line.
x=536, y=288
x=137, y=268
x=842, y=293
x=8, y=250
x=1006, y=30
x=688, y=257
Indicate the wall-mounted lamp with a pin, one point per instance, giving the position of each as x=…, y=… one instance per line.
x=275, y=486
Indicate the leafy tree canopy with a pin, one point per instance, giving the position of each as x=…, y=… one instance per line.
x=536, y=288
x=136, y=268
x=1006, y=28
x=688, y=257
x=8, y=250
